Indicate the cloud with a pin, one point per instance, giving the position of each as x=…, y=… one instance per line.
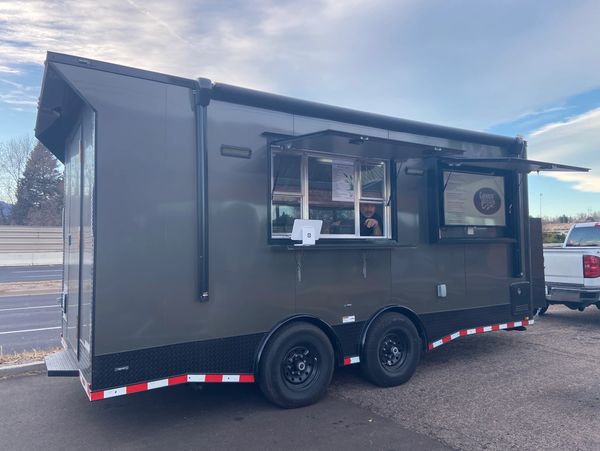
x=18, y=97
x=9, y=70
x=575, y=141
x=232, y=42
x=428, y=61
x=542, y=112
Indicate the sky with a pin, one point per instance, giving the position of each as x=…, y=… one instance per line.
x=524, y=67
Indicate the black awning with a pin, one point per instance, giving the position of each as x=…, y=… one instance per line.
x=335, y=141
x=511, y=164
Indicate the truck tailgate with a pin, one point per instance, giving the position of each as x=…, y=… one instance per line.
x=564, y=265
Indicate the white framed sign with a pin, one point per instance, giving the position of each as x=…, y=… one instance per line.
x=474, y=199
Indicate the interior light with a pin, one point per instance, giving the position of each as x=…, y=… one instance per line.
x=414, y=171
x=358, y=140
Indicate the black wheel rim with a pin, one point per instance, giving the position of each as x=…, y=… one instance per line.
x=300, y=367
x=392, y=351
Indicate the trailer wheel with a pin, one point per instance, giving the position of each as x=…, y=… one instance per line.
x=296, y=366
x=391, y=351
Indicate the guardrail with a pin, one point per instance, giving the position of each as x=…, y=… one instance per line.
x=22, y=245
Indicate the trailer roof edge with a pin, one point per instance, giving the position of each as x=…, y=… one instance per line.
x=260, y=99
x=119, y=69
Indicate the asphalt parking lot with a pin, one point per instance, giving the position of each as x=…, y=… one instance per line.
x=37, y=412
x=537, y=389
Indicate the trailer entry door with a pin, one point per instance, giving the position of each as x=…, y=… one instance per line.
x=72, y=239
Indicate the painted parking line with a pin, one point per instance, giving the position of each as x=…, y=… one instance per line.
x=28, y=330
x=28, y=308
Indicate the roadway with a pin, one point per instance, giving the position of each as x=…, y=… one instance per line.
x=29, y=321
x=30, y=273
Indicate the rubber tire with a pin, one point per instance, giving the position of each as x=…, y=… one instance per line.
x=371, y=366
x=270, y=378
x=542, y=311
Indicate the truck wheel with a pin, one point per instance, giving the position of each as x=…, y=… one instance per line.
x=296, y=366
x=391, y=351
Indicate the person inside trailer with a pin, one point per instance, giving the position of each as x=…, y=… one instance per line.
x=371, y=223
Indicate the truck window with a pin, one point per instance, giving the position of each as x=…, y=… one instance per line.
x=584, y=236
x=347, y=193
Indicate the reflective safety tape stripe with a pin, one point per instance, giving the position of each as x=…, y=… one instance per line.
x=351, y=360
x=178, y=380
x=477, y=330
x=175, y=380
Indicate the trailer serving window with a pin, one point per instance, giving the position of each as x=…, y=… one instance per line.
x=347, y=193
x=481, y=197
x=474, y=203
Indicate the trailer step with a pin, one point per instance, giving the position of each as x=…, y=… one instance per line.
x=62, y=364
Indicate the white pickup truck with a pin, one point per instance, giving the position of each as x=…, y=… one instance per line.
x=572, y=271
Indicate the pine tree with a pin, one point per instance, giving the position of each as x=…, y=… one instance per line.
x=39, y=191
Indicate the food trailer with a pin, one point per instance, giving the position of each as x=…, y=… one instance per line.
x=219, y=234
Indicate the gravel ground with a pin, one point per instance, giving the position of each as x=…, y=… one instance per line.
x=537, y=389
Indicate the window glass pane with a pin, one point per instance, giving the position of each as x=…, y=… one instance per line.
x=286, y=173
x=331, y=194
x=584, y=236
x=283, y=212
x=372, y=180
x=371, y=219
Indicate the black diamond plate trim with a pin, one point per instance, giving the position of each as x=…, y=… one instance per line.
x=232, y=355
x=440, y=324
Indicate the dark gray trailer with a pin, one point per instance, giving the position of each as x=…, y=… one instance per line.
x=180, y=199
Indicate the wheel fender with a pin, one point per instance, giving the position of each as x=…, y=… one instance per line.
x=326, y=328
x=397, y=309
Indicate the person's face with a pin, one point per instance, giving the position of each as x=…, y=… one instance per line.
x=368, y=210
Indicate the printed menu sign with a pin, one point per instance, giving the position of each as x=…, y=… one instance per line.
x=473, y=199
x=342, y=176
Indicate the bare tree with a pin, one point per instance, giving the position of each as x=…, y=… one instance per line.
x=14, y=154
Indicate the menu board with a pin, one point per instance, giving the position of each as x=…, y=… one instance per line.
x=473, y=199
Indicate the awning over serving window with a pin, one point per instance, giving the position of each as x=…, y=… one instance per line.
x=337, y=141
x=511, y=164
